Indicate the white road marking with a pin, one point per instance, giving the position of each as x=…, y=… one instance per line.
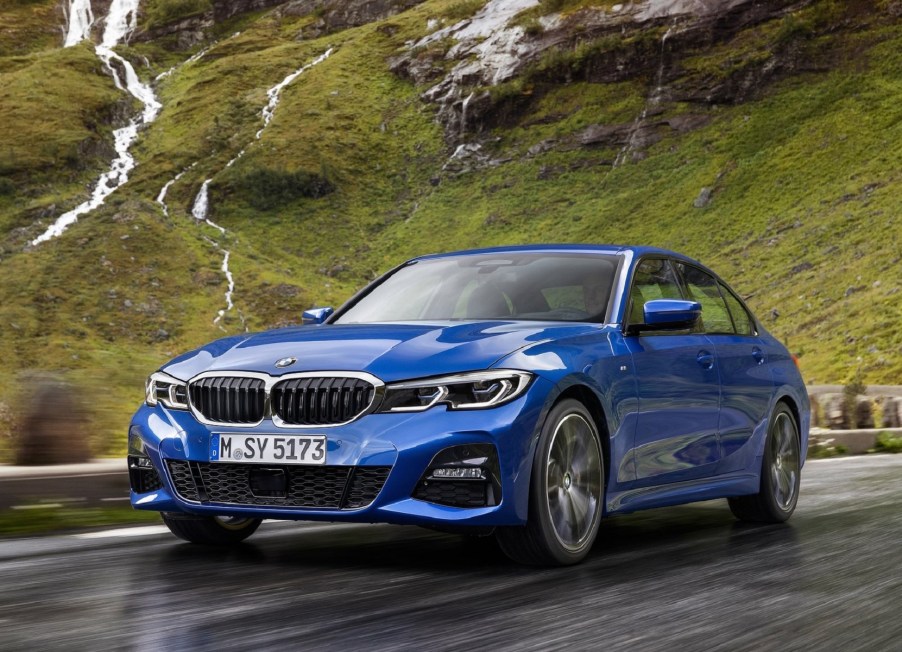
x=850, y=458
x=147, y=530
x=41, y=506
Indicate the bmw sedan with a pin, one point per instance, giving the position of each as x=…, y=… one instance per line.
x=527, y=392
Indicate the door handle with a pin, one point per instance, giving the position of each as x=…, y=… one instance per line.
x=758, y=354
x=705, y=359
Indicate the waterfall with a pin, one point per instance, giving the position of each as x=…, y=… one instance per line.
x=81, y=18
x=235, y=158
x=120, y=22
x=161, y=198
x=463, y=114
x=230, y=284
x=199, y=211
x=230, y=279
x=275, y=93
x=108, y=182
x=201, y=202
x=201, y=207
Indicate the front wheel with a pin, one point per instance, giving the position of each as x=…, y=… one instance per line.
x=212, y=530
x=780, y=474
x=566, y=492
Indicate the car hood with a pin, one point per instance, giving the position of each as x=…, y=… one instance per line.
x=389, y=351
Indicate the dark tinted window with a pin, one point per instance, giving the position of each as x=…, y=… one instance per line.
x=703, y=288
x=743, y=321
x=654, y=279
x=541, y=287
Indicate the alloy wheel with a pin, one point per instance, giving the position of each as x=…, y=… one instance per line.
x=784, y=468
x=574, y=481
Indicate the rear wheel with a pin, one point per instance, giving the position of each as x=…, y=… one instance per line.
x=780, y=474
x=566, y=492
x=212, y=530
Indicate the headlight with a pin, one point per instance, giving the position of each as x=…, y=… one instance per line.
x=163, y=388
x=469, y=391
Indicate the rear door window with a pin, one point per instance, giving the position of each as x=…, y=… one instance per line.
x=703, y=288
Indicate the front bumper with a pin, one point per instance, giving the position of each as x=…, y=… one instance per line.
x=403, y=444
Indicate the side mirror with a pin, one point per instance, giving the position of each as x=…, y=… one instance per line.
x=316, y=316
x=670, y=314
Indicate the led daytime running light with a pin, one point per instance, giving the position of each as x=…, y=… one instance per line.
x=163, y=388
x=467, y=391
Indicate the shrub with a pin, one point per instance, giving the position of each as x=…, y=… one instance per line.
x=823, y=449
x=889, y=443
x=792, y=28
x=463, y=9
x=160, y=12
x=532, y=27
x=267, y=188
x=851, y=391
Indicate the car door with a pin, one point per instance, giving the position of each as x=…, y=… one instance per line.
x=678, y=386
x=745, y=377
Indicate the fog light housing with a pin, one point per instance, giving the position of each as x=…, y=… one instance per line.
x=458, y=473
x=142, y=475
x=467, y=475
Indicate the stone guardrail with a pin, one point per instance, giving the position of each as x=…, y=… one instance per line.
x=104, y=482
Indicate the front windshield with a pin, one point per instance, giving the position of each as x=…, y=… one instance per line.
x=531, y=286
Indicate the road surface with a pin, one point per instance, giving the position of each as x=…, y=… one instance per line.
x=683, y=578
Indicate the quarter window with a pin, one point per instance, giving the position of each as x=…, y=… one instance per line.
x=704, y=289
x=741, y=318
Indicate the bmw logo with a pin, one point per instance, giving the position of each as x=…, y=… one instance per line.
x=285, y=362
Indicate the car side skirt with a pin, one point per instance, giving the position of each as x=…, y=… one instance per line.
x=679, y=493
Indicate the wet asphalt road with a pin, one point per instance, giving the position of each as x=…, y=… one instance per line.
x=683, y=578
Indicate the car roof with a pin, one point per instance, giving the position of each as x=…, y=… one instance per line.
x=637, y=251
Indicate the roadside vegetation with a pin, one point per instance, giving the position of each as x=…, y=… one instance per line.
x=43, y=519
x=889, y=443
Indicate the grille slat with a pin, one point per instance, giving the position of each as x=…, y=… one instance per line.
x=311, y=487
x=308, y=400
x=228, y=400
x=216, y=412
x=320, y=401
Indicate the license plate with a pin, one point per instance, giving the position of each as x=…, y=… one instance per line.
x=268, y=449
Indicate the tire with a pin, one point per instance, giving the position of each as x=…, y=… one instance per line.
x=212, y=530
x=567, y=475
x=780, y=474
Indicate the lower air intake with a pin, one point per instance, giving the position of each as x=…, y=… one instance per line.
x=143, y=479
x=311, y=487
x=455, y=493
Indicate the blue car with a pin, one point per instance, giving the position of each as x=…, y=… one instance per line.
x=522, y=391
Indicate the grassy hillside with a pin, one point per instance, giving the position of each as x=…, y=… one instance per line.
x=802, y=169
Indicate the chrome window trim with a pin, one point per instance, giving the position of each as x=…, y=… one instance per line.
x=271, y=381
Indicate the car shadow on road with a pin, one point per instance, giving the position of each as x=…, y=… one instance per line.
x=650, y=541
